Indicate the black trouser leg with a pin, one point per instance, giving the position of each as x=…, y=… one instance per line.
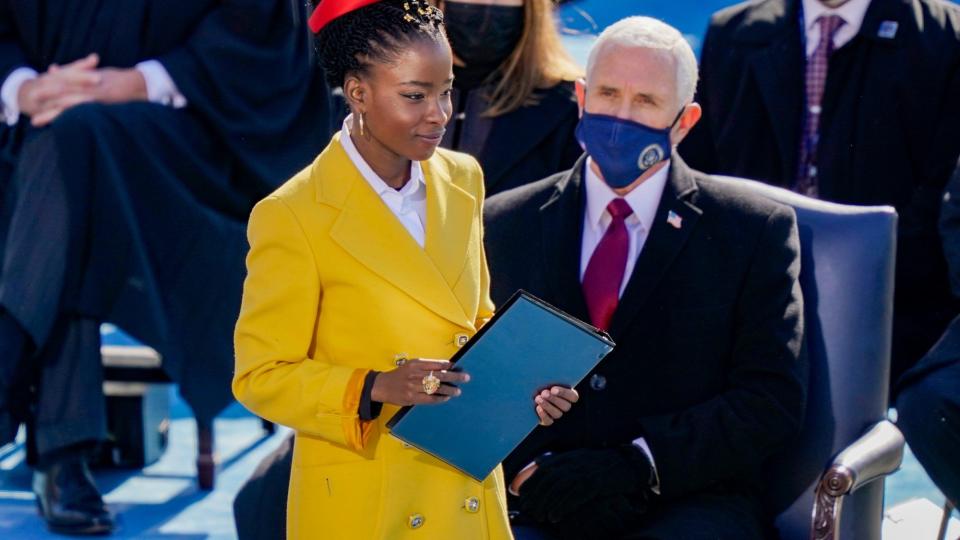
x=47, y=220
x=44, y=246
x=71, y=408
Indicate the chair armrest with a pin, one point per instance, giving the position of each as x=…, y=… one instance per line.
x=877, y=453
x=874, y=455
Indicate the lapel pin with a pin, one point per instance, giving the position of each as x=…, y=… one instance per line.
x=888, y=29
x=674, y=219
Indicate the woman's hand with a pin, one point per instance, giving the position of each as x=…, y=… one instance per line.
x=552, y=402
x=404, y=385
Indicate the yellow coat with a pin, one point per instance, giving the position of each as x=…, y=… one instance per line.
x=336, y=287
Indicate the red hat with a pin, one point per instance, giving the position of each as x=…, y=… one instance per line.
x=328, y=10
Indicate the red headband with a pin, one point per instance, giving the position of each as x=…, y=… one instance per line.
x=328, y=10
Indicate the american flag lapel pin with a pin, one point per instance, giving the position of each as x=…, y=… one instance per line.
x=888, y=29
x=674, y=219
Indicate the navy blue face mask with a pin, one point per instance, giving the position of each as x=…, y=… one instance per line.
x=623, y=149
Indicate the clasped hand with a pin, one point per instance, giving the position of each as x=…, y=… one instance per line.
x=587, y=493
x=61, y=87
x=404, y=386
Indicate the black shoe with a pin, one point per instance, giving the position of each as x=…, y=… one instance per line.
x=69, y=501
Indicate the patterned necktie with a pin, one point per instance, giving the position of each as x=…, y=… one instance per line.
x=604, y=274
x=816, y=81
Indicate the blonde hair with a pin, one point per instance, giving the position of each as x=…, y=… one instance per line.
x=538, y=61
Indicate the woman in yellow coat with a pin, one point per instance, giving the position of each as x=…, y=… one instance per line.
x=371, y=255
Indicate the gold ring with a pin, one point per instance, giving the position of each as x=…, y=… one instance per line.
x=430, y=384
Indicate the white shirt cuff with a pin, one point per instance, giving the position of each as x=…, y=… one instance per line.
x=160, y=86
x=510, y=485
x=9, y=92
x=641, y=443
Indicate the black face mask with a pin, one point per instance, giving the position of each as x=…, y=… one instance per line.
x=482, y=36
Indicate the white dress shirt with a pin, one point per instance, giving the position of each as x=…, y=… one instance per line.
x=851, y=12
x=409, y=203
x=160, y=86
x=643, y=200
x=160, y=89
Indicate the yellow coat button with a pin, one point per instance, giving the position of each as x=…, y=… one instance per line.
x=400, y=359
x=416, y=521
x=460, y=340
x=472, y=505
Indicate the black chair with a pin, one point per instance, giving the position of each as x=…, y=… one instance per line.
x=846, y=443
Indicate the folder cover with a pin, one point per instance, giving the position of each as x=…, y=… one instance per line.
x=527, y=346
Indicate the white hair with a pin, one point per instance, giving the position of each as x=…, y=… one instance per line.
x=650, y=33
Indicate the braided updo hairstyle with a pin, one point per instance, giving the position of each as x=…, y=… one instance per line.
x=375, y=33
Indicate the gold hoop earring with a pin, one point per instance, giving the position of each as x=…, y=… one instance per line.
x=362, y=134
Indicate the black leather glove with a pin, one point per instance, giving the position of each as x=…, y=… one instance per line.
x=605, y=518
x=567, y=481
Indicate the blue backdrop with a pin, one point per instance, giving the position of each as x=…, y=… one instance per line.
x=582, y=18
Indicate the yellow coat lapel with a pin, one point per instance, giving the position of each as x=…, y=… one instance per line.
x=451, y=218
x=369, y=232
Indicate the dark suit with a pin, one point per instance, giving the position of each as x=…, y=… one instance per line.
x=928, y=405
x=889, y=129
x=707, y=366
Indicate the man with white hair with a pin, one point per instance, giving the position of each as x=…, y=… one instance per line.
x=696, y=281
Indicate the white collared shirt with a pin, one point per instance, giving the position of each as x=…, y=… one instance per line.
x=409, y=203
x=160, y=89
x=643, y=200
x=851, y=12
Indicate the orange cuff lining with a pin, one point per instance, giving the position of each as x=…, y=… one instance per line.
x=357, y=432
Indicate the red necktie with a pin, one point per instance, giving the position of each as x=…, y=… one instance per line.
x=604, y=274
x=816, y=81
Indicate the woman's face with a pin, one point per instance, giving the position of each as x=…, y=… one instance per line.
x=407, y=102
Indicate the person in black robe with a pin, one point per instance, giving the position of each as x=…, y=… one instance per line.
x=135, y=137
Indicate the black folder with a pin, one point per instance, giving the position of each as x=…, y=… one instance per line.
x=527, y=346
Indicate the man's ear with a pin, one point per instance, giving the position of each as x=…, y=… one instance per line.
x=691, y=115
x=580, y=87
